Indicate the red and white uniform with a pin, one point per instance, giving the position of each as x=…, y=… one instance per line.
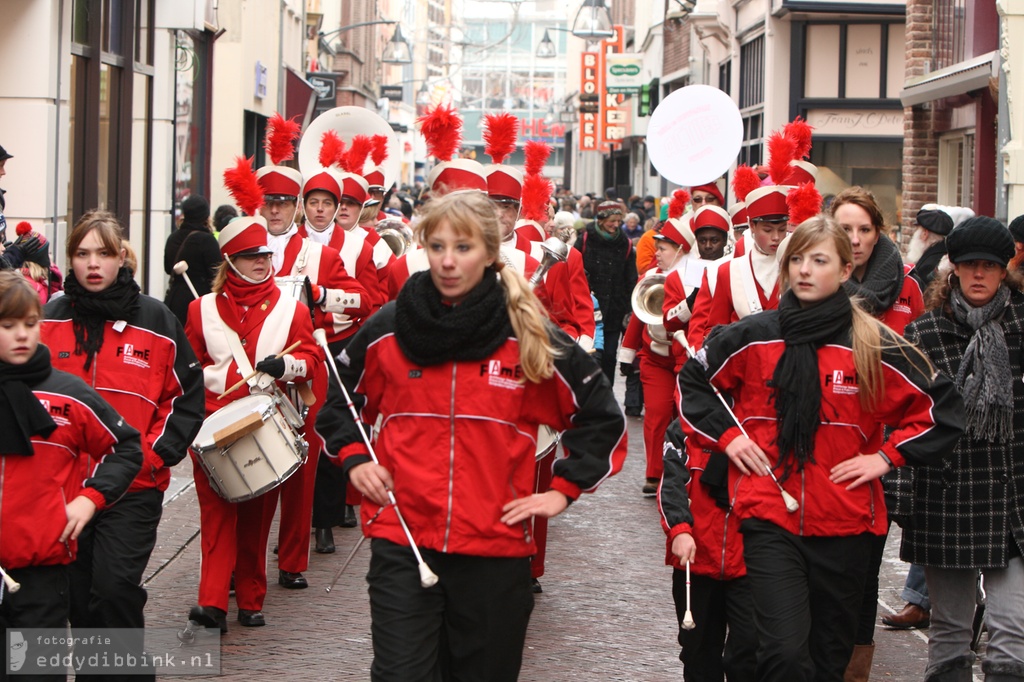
x=745, y=285
x=559, y=291
x=412, y=261
x=682, y=285
x=530, y=231
x=657, y=374
x=356, y=255
x=345, y=304
x=234, y=535
x=383, y=256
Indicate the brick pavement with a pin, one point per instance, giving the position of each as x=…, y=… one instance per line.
x=606, y=612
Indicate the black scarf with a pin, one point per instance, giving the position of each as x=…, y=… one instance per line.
x=430, y=331
x=797, y=384
x=883, y=278
x=90, y=311
x=21, y=414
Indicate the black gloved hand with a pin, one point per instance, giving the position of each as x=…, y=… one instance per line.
x=272, y=366
x=626, y=369
x=28, y=245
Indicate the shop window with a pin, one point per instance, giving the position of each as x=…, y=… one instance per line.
x=956, y=170
x=753, y=134
x=874, y=165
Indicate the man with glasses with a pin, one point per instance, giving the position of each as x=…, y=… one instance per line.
x=746, y=284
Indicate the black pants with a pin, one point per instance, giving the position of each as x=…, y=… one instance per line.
x=807, y=593
x=634, y=391
x=612, y=331
x=106, y=577
x=869, y=601
x=471, y=626
x=42, y=602
x=329, y=488
x=723, y=642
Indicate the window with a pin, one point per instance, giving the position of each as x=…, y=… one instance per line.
x=753, y=131
x=725, y=77
x=752, y=73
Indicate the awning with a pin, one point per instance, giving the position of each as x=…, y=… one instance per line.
x=959, y=79
x=299, y=97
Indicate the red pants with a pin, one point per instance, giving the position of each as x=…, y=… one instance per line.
x=659, y=381
x=296, y=493
x=234, y=539
x=540, y=523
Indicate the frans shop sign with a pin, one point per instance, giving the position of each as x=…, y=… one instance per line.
x=884, y=122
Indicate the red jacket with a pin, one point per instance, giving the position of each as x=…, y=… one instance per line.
x=637, y=339
x=286, y=322
x=926, y=417
x=34, y=489
x=460, y=437
x=908, y=306
x=687, y=506
x=148, y=373
x=716, y=301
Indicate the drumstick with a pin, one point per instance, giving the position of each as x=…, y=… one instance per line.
x=427, y=577
x=12, y=584
x=791, y=504
x=181, y=268
x=688, y=623
x=287, y=350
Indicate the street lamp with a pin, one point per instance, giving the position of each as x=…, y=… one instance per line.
x=397, y=51
x=546, y=49
x=593, y=21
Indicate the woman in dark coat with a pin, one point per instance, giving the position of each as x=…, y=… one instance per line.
x=193, y=243
x=968, y=514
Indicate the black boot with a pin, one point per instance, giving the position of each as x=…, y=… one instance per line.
x=209, y=617
x=324, y=541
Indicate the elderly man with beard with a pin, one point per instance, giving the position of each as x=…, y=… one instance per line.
x=928, y=243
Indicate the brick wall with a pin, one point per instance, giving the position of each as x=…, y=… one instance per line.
x=920, y=143
x=677, y=46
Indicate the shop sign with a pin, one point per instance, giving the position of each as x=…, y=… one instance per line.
x=624, y=74
x=847, y=122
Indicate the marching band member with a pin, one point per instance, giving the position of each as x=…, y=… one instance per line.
x=967, y=513
x=464, y=356
x=657, y=367
x=133, y=351
x=242, y=325
x=835, y=374
x=339, y=302
x=53, y=424
x=696, y=516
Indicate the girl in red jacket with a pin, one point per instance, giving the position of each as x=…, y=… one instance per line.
x=52, y=425
x=810, y=383
x=133, y=351
x=245, y=302
x=462, y=368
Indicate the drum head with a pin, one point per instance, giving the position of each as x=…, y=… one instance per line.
x=230, y=414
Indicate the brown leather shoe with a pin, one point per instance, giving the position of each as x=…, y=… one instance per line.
x=912, y=616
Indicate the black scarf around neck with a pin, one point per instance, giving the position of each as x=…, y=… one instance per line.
x=430, y=331
x=21, y=414
x=90, y=311
x=883, y=278
x=797, y=384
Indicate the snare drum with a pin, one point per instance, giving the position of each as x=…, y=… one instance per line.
x=294, y=287
x=547, y=441
x=248, y=448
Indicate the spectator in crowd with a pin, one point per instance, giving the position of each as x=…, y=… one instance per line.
x=631, y=226
x=193, y=243
x=222, y=216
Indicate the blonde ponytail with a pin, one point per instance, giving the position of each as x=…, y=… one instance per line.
x=536, y=352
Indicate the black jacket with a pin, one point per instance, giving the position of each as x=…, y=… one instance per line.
x=196, y=246
x=610, y=265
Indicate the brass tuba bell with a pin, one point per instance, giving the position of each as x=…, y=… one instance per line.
x=648, y=297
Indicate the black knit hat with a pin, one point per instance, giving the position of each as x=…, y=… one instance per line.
x=935, y=220
x=195, y=209
x=4, y=154
x=1017, y=229
x=980, y=238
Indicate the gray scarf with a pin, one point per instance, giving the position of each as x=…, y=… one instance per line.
x=883, y=278
x=985, y=379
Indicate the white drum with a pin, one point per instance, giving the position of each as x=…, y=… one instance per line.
x=547, y=441
x=248, y=448
x=294, y=287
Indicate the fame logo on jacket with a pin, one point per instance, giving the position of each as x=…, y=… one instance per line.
x=842, y=383
x=502, y=376
x=134, y=356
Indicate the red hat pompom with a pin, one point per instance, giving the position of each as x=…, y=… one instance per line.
x=744, y=181
x=354, y=160
x=781, y=150
x=280, y=139
x=799, y=131
x=380, y=149
x=500, y=135
x=677, y=205
x=804, y=202
x=332, y=149
x=536, y=197
x=537, y=154
x=24, y=227
x=442, y=128
x=243, y=186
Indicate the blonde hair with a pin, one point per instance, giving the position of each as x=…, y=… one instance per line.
x=131, y=261
x=18, y=299
x=472, y=214
x=220, y=277
x=867, y=331
x=368, y=215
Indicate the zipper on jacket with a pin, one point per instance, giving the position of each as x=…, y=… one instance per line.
x=451, y=461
